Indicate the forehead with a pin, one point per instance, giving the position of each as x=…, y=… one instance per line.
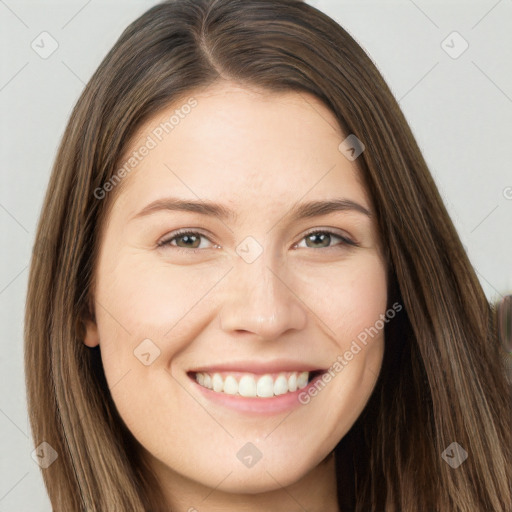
x=241, y=144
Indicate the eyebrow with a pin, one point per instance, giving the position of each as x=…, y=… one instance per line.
x=298, y=211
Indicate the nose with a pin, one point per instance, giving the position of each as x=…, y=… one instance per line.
x=260, y=300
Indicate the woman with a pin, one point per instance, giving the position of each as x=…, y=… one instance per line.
x=256, y=370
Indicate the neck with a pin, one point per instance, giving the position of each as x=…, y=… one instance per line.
x=315, y=492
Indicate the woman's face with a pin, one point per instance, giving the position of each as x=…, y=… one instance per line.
x=208, y=339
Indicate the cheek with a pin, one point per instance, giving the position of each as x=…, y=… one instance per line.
x=148, y=297
x=140, y=299
x=353, y=299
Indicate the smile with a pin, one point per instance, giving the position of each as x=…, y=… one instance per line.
x=252, y=385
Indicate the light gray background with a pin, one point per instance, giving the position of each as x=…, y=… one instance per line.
x=460, y=110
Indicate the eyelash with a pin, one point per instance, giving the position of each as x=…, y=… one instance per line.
x=180, y=233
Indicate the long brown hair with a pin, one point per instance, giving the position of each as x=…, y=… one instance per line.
x=441, y=380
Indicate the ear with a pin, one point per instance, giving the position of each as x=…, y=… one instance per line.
x=91, y=336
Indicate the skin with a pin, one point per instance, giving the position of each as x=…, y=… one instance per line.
x=258, y=153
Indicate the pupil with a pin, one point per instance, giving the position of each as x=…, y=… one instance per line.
x=325, y=236
x=188, y=238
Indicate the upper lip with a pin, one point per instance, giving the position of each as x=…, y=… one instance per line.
x=257, y=367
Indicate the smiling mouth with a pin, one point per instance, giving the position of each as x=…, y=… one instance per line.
x=252, y=385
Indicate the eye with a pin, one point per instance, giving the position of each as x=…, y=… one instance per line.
x=185, y=241
x=322, y=239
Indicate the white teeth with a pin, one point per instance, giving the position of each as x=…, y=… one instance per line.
x=265, y=386
x=217, y=383
x=230, y=385
x=250, y=385
x=302, y=380
x=292, y=382
x=247, y=386
x=281, y=385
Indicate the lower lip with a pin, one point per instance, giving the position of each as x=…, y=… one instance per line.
x=272, y=405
